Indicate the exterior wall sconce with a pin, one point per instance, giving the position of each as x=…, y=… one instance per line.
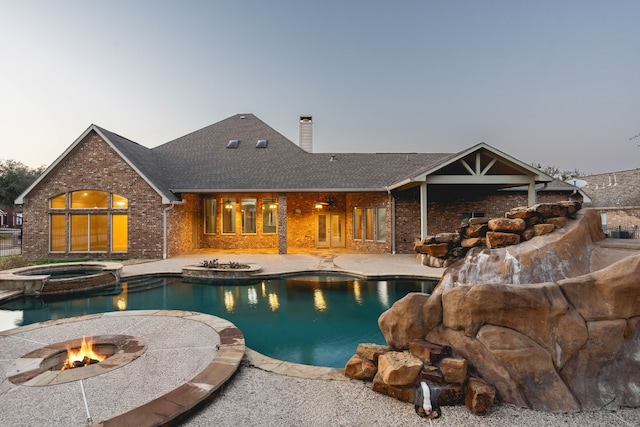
x=228, y=205
x=318, y=205
x=273, y=206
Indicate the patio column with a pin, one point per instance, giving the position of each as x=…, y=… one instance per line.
x=423, y=210
x=282, y=223
x=532, y=193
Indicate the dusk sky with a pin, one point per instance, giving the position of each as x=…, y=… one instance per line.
x=549, y=82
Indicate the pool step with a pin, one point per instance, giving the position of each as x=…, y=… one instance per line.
x=6, y=295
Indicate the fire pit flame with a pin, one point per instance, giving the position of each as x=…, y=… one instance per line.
x=83, y=356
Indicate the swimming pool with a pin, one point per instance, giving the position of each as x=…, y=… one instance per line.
x=310, y=319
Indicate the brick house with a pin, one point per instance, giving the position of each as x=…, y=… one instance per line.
x=239, y=184
x=616, y=196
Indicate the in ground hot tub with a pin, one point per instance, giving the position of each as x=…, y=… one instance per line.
x=64, y=278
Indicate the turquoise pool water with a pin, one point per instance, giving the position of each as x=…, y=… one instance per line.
x=311, y=319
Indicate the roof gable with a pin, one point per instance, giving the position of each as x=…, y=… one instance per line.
x=479, y=164
x=138, y=157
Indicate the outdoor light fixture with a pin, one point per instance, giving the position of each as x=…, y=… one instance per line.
x=331, y=202
x=228, y=205
x=273, y=206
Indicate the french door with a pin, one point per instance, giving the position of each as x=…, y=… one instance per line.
x=330, y=230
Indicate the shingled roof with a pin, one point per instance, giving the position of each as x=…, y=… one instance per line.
x=142, y=159
x=201, y=161
x=614, y=190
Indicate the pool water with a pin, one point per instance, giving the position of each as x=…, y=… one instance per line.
x=311, y=319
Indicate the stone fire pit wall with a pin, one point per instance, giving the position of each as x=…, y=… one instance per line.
x=536, y=323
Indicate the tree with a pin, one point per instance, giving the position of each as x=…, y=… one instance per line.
x=555, y=172
x=15, y=177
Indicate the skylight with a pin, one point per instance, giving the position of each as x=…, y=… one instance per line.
x=233, y=143
x=262, y=143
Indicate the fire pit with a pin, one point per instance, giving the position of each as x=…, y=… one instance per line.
x=75, y=360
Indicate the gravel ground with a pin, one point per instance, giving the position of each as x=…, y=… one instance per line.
x=258, y=398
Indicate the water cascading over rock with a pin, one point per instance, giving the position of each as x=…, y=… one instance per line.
x=541, y=321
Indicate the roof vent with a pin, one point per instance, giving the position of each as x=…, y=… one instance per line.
x=233, y=143
x=262, y=143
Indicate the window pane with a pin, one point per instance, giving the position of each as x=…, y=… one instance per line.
x=57, y=234
x=381, y=229
x=89, y=199
x=248, y=215
x=210, y=219
x=269, y=216
x=358, y=224
x=322, y=228
x=369, y=223
x=119, y=232
x=98, y=233
x=79, y=232
x=229, y=216
x=58, y=202
x=119, y=202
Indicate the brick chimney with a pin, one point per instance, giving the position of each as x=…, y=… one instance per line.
x=306, y=133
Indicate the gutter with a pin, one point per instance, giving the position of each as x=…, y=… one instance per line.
x=164, y=226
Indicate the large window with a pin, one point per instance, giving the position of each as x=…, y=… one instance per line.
x=248, y=216
x=229, y=216
x=269, y=216
x=210, y=216
x=370, y=223
x=97, y=222
x=358, y=223
x=57, y=235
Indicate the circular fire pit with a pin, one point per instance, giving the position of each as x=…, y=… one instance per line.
x=43, y=366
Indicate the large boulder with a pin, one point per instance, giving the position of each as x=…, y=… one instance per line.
x=531, y=367
x=606, y=372
x=538, y=311
x=409, y=318
x=611, y=293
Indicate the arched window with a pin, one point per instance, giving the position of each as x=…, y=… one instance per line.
x=94, y=221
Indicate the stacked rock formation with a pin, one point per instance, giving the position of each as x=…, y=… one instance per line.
x=544, y=322
x=397, y=374
x=518, y=225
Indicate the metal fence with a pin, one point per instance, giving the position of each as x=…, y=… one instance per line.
x=10, y=241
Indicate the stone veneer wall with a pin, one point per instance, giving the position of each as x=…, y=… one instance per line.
x=93, y=165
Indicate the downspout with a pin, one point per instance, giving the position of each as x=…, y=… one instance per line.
x=393, y=223
x=164, y=227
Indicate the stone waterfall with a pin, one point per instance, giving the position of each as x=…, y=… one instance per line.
x=548, y=323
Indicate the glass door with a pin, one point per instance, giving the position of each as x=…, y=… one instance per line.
x=330, y=230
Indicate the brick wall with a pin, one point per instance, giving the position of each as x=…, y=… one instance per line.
x=236, y=240
x=446, y=205
x=93, y=165
x=622, y=222
x=407, y=219
x=366, y=200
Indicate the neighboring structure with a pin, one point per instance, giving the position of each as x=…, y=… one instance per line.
x=616, y=195
x=239, y=184
x=10, y=218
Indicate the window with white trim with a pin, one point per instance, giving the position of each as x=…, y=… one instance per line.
x=369, y=223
